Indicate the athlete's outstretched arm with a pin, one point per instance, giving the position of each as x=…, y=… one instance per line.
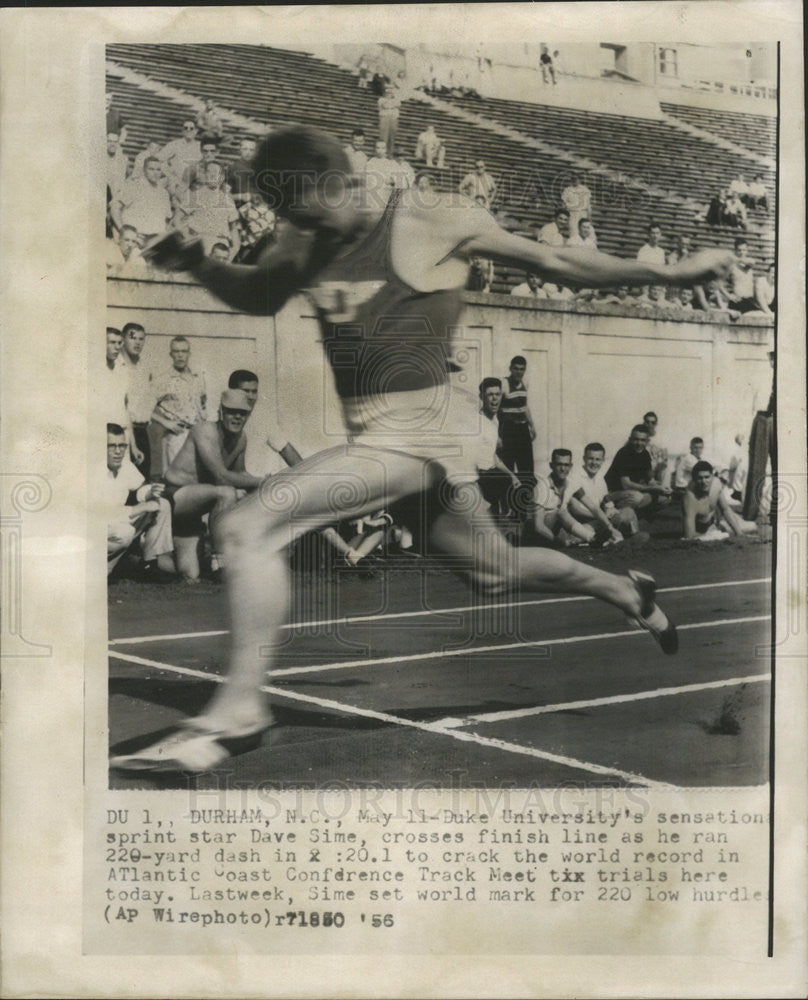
x=262, y=288
x=476, y=232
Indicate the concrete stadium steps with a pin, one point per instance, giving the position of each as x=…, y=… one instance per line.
x=757, y=133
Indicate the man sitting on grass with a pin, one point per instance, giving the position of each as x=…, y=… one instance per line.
x=708, y=516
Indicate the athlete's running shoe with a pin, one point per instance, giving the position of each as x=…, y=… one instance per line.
x=651, y=617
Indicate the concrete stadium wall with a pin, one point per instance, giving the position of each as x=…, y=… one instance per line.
x=592, y=372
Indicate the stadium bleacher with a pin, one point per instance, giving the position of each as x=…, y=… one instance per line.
x=757, y=133
x=286, y=86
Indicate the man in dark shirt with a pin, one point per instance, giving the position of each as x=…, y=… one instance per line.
x=630, y=479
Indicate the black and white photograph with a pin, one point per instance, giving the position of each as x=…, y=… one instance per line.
x=439, y=385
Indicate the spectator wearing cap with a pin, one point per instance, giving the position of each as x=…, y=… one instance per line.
x=208, y=476
x=479, y=184
x=135, y=510
x=143, y=202
x=557, y=232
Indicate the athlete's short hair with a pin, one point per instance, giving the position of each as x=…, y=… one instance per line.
x=489, y=383
x=290, y=155
x=240, y=375
x=701, y=467
x=560, y=453
x=519, y=360
x=594, y=446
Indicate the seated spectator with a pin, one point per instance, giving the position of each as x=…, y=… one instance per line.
x=355, y=151
x=495, y=478
x=380, y=175
x=425, y=183
x=530, y=288
x=143, y=203
x=256, y=222
x=209, y=120
x=630, y=477
x=208, y=477
x=585, y=235
x=193, y=175
x=621, y=297
x=210, y=213
x=135, y=510
x=557, y=232
x=739, y=187
x=404, y=175
x=742, y=279
x=712, y=298
x=652, y=252
x=657, y=450
x=758, y=196
x=430, y=148
x=558, y=293
x=552, y=521
x=239, y=174
x=546, y=66
x=766, y=291
x=686, y=463
x=653, y=297
x=682, y=248
x=684, y=302
x=716, y=212
x=481, y=274
x=707, y=514
x=179, y=154
x=124, y=259
x=479, y=183
x=735, y=212
x=577, y=199
x=586, y=496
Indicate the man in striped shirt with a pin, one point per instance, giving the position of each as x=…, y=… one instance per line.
x=516, y=424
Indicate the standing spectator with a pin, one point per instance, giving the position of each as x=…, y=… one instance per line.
x=531, y=287
x=209, y=120
x=584, y=236
x=587, y=503
x=380, y=174
x=546, y=66
x=194, y=175
x=657, y=451
x=355, y=151
x=737, y=469
x=143, y=203
x=239, y=174
x=758, y=196
x=430, y=148
x=363, y=67
x=577, y=199
x=761, y=443
x=479, y=183
x=389, y=105
x=124, y=259
x=181, y=397
x=481, y=274
x=117, y=164
x=557, y=232
x=179, y=154
x=139, y=390
x=114, y=389
x=685, y=464
x=742, y=279
x=516, y=428
x=630, y=479
x=712, y=298
x=766, y=291
x=135, y=509
x=495, y=478
x=115, y=120
x=404, y=175
x=652, y=252
x=210, y=213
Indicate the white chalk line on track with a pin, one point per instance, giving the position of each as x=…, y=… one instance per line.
x=466, y=651
x=429, y=727
x=358, y=619
x=618, y=699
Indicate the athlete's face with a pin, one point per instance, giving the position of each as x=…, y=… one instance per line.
x=179, y=355
x=491, y=399
x=250, y=390
x=116, y=451
x=135, y=339
x=593, y=460
x=114, y=344
x=561, y=466
x=233, y=421
x=638, y=441
x=702, y=481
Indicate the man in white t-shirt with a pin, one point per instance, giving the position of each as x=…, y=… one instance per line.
x=530, y=288
x=652, y=252
x=586, y=500
x=494, y=476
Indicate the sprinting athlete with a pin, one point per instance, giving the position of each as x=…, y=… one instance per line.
x=387, y=303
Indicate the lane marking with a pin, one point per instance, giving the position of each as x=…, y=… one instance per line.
x=521, y=713
x=430, y=727
x=346, y=620
x=470, y=651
